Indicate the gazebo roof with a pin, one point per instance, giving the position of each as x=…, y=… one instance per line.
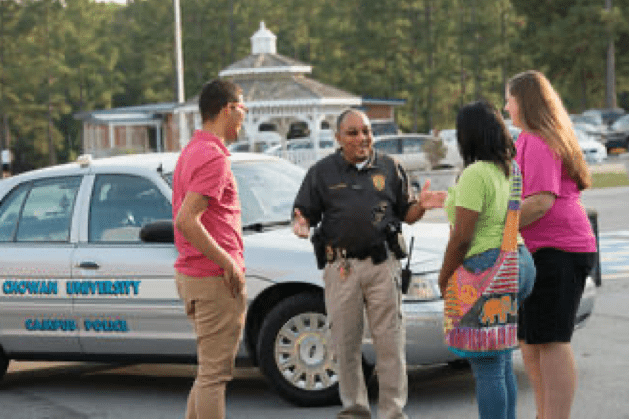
x=295, y=88
x=270, y=79
x=265, y=63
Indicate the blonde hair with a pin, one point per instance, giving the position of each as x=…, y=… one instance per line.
x=542, y=113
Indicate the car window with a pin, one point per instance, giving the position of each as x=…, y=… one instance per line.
x=9, y=212
x=582, y=137
x=47, y=212
x=299, y=145
x=121, y=205
x=592, y=118
x=621, y=123
x=413, y=145
x=389, y=146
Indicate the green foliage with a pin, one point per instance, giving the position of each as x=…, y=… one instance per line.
x=609, y=180
x=60, y=57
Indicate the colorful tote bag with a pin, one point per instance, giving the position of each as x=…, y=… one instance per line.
x=481, y=309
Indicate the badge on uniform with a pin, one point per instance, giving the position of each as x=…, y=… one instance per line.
x=379, y=181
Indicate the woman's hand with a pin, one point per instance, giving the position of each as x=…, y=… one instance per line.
x=460, y=240
x=535, y=207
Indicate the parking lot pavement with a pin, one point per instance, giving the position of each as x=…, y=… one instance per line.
x=614, y=248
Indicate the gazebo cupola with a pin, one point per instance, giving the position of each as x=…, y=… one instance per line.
x=277, y=90
x=264, y=41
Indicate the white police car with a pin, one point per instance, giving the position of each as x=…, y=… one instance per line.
x=78, y=283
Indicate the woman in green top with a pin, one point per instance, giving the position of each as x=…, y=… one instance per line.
x=477, y=207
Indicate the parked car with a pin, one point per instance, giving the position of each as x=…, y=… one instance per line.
x=606, y=116
x=78, y=283
x=261, y=142
x=592, y=124
x=593, y=151
x=618, y=136
x=300, y=144
x=409, y=150
x=383, y=127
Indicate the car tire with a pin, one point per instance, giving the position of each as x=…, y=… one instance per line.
x=295, y=353
x=4, y=363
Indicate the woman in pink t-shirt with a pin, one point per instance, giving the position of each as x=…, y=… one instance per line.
x=556, y=230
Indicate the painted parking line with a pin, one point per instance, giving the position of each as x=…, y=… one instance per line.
x=614, y=247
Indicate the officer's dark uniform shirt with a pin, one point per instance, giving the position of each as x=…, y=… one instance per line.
x=353, y=205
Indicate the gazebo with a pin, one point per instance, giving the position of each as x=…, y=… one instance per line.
x=277, y=91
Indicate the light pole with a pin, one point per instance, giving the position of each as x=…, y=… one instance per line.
x=610, y=89
x=183, y=138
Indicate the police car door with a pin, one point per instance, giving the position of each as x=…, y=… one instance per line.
x=37, y=235
x=124, y=289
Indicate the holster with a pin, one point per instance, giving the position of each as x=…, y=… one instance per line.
x=318, y=243
x=395, y=240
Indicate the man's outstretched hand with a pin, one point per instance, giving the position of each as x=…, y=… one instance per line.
x=301, y=226
x=431, y=199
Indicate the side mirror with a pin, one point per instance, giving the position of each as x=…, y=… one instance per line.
x=160, y=231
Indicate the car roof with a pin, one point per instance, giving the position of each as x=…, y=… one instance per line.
x=149, y=161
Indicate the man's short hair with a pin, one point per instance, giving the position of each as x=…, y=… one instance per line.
x=345, y=114
x=215, y=95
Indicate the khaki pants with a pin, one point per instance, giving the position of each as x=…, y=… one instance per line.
x=218, y=320
x=374, y=289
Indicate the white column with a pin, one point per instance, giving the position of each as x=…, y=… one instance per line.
x=127, y=141
x=111, y=136
x=315, y=132
x=158, y=133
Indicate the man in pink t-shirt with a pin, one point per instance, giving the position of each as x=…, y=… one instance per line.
x=208, y=235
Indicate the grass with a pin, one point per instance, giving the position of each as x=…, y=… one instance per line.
x=607, y=180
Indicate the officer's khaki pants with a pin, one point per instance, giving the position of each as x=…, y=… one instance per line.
x=218, y=320
x=375, y=289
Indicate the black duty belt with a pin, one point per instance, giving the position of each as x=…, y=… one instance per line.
x=378, y=253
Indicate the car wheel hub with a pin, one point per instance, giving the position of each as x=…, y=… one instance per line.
x=303, y=352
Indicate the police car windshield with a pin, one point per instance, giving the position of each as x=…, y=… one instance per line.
x=266, y=189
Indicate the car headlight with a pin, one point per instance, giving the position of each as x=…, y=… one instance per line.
x=423, y=287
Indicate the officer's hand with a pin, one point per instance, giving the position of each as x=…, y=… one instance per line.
x=234, y=278
x=301, y=226
x=431, y=199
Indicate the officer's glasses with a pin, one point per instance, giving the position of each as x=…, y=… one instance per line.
x=353, y=132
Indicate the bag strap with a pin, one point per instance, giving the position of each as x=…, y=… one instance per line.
x=512, y=222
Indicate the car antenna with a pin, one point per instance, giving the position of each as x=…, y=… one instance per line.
x=160, y=169
x=406, y=272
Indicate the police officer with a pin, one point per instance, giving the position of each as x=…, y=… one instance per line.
x=357, y=195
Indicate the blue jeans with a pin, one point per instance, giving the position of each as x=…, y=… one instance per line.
x=496, y=386
x=526, y=273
